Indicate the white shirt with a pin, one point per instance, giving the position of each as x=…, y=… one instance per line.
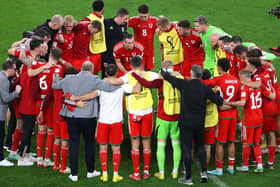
x=111, y=104
x=152, y=76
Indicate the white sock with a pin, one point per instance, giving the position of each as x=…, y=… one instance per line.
x=116, y=173
x=175, y=170
x=146, y=171
x=161, y=172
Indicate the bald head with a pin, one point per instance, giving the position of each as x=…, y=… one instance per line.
x=214, y=38
x=87, y=66
x=56, y=22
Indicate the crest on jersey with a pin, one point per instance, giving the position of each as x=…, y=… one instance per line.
x=138, y=25
x=150, y=25
x=133, y=54
x=193, y=41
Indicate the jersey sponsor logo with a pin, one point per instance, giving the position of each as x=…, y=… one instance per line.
x=187, y=44
x=84, y=33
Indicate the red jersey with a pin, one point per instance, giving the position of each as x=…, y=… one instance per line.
x=252, y=111
x=26, y=102
x=241, y=64
x=144, y=32
x=230, y=87
x=270, y=107
x=67, y=46
x=124, y=55
x=274, y=81
x=81, y=41
x=233, y=69
x=192, y=47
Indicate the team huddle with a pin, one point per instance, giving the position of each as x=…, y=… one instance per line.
x=57, y=88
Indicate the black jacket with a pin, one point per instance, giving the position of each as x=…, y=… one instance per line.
x=193, y=101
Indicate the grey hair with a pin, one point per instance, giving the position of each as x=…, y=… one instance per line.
x=196, y=71
x=87, y=66
x=57, y=19
x=201, y=20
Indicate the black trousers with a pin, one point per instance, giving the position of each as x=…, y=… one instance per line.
x=2, y=134
x=86, y=127
x=28, y=125
x=187, y=136
x=11, y=126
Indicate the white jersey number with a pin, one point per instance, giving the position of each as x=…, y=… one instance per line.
x=256, y=100
x=43, y=83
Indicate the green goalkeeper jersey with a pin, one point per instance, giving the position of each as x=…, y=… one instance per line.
x=210, y=60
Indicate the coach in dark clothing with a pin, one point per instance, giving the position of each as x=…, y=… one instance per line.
x=52, y=26
x=115, y=30
x=82, y=120
x=193, y=103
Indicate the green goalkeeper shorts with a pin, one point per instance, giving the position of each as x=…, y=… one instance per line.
x=163, y=128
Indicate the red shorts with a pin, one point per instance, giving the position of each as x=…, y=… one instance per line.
x=270, y=123
x=60, y=130
x=96, y=60
x=148, y=62
x=226, y=130
x=209, y=135
x=140, y=125
x=47, y=114
x=16, y=108
x=178, y=68
x=251, y=136
x=109, y=133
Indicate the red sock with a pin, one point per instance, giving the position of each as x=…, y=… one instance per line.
x=56, y=147
x=64, y=156
x=207, y=164
x=40, y=143
x=231, y=161
x=278, y=140
x=219, y=164
x=271, y=153
x=245, y=154
x=258, y=153
x=103, y=159
x=135, y=157
x=147, y=159
x=116, y=159
x=49, y=145
x=16, y=139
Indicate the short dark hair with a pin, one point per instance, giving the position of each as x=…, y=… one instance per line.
x=201, y=20
x=236, y=39
x=196, y=71
x=143, y=9
x=225, y=39
x=240, y=49
x=136, y=61
x=56, y=53
x=128, y=36
x=122, y=12
x=111, y=70
x=185, y=24
x=206, y=74
x=35, y=43
x=70, y=70
x=43, y=32
x=96, y=24
x=224, y=64
x=8, y=64
x=97, y=5
x=255, y=62
x=255, y=53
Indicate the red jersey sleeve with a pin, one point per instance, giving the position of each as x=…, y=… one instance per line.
x=85, y=19
x=211, y=82
x=131, y=22
x=116, y=51
x=265, y=91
